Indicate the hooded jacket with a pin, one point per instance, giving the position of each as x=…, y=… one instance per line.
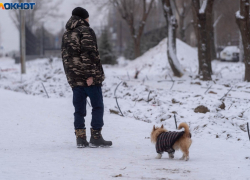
x=80, y=54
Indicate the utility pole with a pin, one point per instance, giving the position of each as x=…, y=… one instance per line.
x=42, y=42
x=22, y=40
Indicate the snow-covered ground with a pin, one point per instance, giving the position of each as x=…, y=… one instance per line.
x=38, y=138
x=38, y=142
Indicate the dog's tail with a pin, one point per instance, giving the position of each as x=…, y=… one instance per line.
x=185, y=126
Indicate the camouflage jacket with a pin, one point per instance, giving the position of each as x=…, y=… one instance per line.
x=80, y=54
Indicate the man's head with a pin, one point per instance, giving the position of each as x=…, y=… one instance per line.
x=81, y=12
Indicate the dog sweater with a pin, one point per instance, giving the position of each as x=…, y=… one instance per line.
x=166, y=140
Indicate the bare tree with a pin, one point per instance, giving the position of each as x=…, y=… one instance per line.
x=204, y=46
x=42, y=10
x=171, y=42
x=210, y=34
x=129, y=11
x=183, y=8
x=243, y=21
x=226, y=29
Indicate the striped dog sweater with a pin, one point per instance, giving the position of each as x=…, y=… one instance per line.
x=166, y=140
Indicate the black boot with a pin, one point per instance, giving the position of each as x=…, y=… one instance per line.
x=81, y=139
x=96, y=139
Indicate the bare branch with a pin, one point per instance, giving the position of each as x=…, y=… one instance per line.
x=130, y=11
x=177, y=9
x=118, y=5
x=217, y=20
x=188, y=8
x=38, y=14
x=188, y=25
x=196, y=5
x=144, y=7
x=144, y=18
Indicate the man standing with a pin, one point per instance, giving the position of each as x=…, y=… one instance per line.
x=85, y=75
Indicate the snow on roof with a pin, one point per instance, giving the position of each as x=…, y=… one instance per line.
x=231, y=48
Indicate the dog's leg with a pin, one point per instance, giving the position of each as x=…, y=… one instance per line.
x=187, y=155
x=185, y=150
x=182, y=158
x=171, y=155
x=158, y=156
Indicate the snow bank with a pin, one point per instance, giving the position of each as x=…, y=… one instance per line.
x=46, y=147
x=155, y=61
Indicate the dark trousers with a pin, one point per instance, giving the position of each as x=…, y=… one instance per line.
x=80, y=95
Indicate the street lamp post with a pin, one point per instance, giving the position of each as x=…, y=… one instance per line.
x=22, y=40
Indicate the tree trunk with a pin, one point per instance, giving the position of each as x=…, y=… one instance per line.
x=197, y=34
x=129, y=13
x=173, y=29
x=243, y=21
x=171, y=41
x=182, y=15
x=241, y=49
x=210, y=34
x=181, y=28
x=204, y=49
x=137, y=48
x=209, y=29
x=213, y=49
x=165, y=14
x=204, y=46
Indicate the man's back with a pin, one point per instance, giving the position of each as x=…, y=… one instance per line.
x=80, y=53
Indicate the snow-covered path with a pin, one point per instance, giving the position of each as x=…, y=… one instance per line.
x=38, y=142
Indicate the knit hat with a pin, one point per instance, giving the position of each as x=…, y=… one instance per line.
x=81, y=12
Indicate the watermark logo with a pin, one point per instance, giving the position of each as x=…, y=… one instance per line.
x=9, y=6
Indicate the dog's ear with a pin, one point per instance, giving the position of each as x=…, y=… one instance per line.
x=162, y=126
x=154, y=127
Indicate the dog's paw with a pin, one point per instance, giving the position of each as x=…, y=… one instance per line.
x=171, y=156
x=182, y=158
x=187, y=158
x=158, y=156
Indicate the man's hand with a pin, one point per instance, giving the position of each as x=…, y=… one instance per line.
x=90, y=81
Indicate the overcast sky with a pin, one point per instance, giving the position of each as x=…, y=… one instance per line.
x=10, y=34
